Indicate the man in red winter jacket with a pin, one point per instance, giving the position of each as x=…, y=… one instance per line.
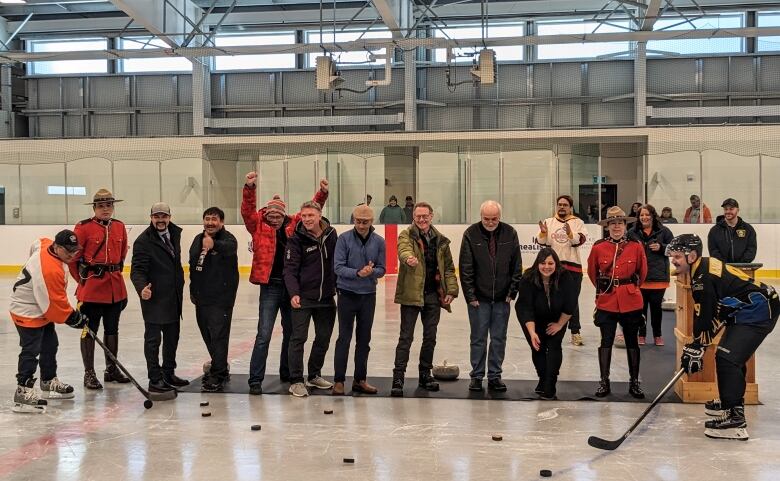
x=270, y=228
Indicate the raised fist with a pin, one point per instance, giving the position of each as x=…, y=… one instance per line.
x=251, y=178
x=324, y=185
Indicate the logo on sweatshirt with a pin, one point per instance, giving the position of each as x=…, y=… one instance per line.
x=741, y=232
x=310, y=249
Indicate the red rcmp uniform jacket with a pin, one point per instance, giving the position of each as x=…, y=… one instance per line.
x=628, y=273
x=110, y=287
x=263, y=235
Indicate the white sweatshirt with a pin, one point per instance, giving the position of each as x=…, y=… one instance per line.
x=565, y=245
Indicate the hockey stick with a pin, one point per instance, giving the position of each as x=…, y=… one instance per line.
x=600, y=443
x=150, y=396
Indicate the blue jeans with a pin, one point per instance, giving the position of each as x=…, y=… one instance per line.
x=273, y=298
x=489, y=318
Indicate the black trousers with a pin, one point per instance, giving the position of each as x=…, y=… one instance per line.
x=35, y=342
x=214, y=324
x=574, y=322
x=354, y=310
x=429, y=313
x=168, y=336
x=607, y=322
x=109, y=313
x=324, y=316
x=737, y=344
x=654, y=299
x=548, y=359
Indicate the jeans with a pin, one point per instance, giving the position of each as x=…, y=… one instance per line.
x=355, y=310
x=273, y=299
x=492, y=318
x=654, y=299
x=168, y=336
x=324, y=315
x=429, y=313
x=214, y=324
x=35, y=342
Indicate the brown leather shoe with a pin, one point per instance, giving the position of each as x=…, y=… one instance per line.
x=363, y=387
x=338, y=389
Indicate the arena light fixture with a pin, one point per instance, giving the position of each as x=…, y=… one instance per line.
x=485, y=69
x=326, y=75
x=13, y=1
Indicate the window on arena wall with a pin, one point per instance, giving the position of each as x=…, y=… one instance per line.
x=581, y=50
x=700, y=45
x=163, y=64
x=255, y=62
x=768, y=19
x=58, y=67
x=346, y=58
x=466, y=54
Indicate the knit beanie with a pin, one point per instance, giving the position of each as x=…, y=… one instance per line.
x=276, y=204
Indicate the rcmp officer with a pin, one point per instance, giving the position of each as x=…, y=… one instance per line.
x=749, y=309
x=101, y=288
x=617, y=267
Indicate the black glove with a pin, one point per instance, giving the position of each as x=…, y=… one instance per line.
x=691, y=359
x=77, y=320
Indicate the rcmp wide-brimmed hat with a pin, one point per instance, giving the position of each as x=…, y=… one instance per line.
x=615, y=213
x=103, y=195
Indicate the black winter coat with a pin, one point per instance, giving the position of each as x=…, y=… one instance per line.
x=308, y=263
x=490, y=279
x=732, y=245
x=215, y=282
x=152, y=263
x=657, y=262
x=533, y=304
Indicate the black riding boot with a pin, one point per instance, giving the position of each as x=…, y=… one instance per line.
x=605, y=359
x=633, y=372
x=112, y=372
x=88, y=356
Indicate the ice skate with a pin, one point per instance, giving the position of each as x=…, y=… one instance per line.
x=731, y=425
x=27, y=399
x=56, y=389
x=712, y=408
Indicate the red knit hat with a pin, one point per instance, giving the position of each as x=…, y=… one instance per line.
x=276, y=204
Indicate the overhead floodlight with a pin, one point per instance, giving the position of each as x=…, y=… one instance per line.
x=485, y=70
x=13, y=1
x=327, y=76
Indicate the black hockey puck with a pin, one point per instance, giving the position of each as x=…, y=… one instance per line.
x=498, y=437
x=206, y=414
x=349, y=460
x=328, y=411
x=545, y=473
x=148, y=404
x=256, y=427
x=204, y=403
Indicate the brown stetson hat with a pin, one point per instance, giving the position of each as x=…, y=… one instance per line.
x=103, y=195
x=615, y=213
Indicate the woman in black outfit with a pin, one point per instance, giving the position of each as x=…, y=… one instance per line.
x=654, y=236
x=545, y=303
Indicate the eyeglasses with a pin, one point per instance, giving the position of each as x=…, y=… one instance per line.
x=423, y=216
x=363, y=221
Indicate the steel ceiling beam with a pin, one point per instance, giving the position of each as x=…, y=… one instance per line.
x=162, y=16
x=650, y=16
x=396, y=14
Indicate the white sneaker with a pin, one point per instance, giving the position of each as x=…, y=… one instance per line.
x=56, y=389
x=28, y=400
x=298, y=390
x=319, y=383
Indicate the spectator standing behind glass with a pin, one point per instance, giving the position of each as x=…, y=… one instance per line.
x=634, y=212
x=409, y=209
x=545, y=303
x=565, y=233
x=426, y=284
x=392, y=213
x=654, y=237
x=666, y=216
x=270, y=228
x=731, y=239
x=213, y=286
x=617, y=267
x=358, y=262
x=490, y=270
x=698, y=212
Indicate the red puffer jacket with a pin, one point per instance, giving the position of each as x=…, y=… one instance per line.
x=263, y=235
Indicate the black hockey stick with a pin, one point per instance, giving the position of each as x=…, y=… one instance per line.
x=150, y=396
x=608, y=445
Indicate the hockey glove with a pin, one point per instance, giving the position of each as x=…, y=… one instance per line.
x=691, y=360
x=77, y=320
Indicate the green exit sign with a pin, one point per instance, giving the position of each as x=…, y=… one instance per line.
x=599, y=180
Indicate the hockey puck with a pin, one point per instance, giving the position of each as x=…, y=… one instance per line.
x=498, y=437
x=148, y=404
x=545, y=473
x=206, y=414
x=349, y=460
x=256, y=427
x=328, y=411
x=204, y=403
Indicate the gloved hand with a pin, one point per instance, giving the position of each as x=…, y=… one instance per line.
x=77, y=320
x=691, y=359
